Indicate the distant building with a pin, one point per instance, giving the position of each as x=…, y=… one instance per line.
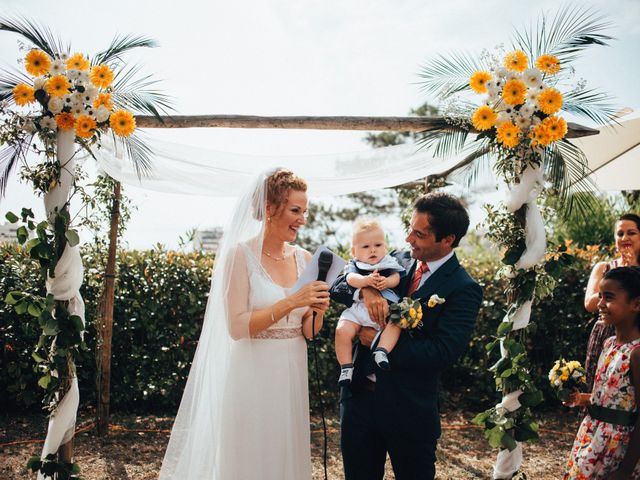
x=8, y=233
x=208, y=240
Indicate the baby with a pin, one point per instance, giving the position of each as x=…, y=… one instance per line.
x=370, y=267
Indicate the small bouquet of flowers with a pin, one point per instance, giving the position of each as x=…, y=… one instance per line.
x=407, y=314
x=566, y=378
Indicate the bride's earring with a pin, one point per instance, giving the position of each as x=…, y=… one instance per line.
x=269, y=219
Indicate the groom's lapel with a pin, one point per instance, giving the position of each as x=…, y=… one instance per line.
x=432, y=283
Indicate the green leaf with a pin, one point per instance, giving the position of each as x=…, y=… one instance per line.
x=72, y=237
x=507, y=441
x=22, y=234
x=75, y=469
x=51, y=328
x=530, y=399
x=504, y=328
x=34, y=242
x=44, y=381
x=37, y=358
x=12, y=218
x=77, y=323
x=21, y=307
x=13, y=297
x=34, y=310
x=34, y=464
x=495, y=436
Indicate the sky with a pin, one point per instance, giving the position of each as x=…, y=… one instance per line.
x=292, y=57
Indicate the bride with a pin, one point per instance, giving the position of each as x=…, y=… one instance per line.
x=245, y=411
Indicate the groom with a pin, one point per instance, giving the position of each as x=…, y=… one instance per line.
x=396, y=411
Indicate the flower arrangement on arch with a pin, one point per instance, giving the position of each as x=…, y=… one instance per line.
x=522, y=102
x=57, y=91
x=69, y=93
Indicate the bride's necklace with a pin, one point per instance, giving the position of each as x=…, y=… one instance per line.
x=273, y=257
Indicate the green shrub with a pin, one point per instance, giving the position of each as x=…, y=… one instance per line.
x=159, y=308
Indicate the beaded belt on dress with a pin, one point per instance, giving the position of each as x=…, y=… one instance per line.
x=278, y=333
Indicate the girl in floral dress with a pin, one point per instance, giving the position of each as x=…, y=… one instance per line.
x=607, y=445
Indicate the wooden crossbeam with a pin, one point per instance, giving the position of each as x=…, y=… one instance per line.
x=392, y=124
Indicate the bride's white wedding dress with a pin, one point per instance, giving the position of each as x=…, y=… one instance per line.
x=265, y=433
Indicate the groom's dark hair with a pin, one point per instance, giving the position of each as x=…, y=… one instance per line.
x=447, y=215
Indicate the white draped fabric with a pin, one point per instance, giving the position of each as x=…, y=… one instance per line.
x=613, y=155
x=201, y=171
x=64, y=286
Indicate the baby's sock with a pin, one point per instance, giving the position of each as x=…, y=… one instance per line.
x=346, y=373
x=380, y=357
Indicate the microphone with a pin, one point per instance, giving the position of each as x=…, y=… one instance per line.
x=324, y=264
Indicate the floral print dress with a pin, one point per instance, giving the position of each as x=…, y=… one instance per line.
x=600, y=446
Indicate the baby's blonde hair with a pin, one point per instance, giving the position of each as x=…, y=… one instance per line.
x=363, y=225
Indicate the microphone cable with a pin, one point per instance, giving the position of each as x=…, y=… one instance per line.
x=319, y=387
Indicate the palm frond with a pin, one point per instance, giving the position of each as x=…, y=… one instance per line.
x=445, y=141
x=121, y=44
x=446, y=75
x=590, y=103
x=139, y=153
x=136, y=93
x=478, y=164
x=39, y=35
x=573, y=29
x=568, y=172
x=9, y=78
x=9, y=157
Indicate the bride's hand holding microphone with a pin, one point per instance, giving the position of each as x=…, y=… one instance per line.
x=314, y=295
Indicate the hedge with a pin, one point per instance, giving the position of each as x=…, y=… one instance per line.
x=159, y=308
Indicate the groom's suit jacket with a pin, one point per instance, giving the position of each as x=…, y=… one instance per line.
x=407, y=394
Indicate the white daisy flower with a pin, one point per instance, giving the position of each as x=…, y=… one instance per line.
x=527, y=109
x=49, y=123
x=38, y=83
x=502, y=118
x=55, y=105
x=77, y=110
x=57, y=67
x=532, y=96
x=90, y=94
x=102, y=114
x=523, y=122
x=532, y=77
x=64, y=56
x=74, y=74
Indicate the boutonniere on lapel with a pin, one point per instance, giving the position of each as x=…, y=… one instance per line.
x=435, y=300
x=407, y=314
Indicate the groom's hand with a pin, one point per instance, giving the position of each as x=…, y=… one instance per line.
x=366, y=336
x=377, y=306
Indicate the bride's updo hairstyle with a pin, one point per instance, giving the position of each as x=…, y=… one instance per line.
x=278, y=185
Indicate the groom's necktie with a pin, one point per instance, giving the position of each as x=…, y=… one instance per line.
x=421, y=269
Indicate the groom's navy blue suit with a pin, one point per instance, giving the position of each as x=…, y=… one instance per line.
x=398, y=413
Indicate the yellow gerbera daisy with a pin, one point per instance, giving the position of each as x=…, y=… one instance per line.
x=57, y=86
x=103, y=100
x=478, y=81
x=557, y=128
x=484, y=118
x=404, y=323
x=514, y=92
x=548, y=64
x=85, y=125
x=101, y=76
x=508, y=134
x=122, y=123
x=23, y=94
x=37, y=62
x=540, y=136
x=65, y=120
x=78, y=62
x=516, y=61
x=550, y=101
